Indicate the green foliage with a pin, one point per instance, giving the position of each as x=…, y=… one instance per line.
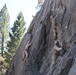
x=4, y=34
x=2, y=65
x=5, y=21
x=4, y=27
x=16, y=34
x=1, y=58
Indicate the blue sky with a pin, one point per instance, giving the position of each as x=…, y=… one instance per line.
x=15, y=6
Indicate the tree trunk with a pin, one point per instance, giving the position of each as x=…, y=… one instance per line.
x=2, y=46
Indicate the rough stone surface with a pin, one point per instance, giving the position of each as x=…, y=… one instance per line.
x=40, y=34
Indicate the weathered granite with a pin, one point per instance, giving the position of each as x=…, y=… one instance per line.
x=40, y=34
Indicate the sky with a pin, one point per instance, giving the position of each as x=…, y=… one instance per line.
x=15, y=6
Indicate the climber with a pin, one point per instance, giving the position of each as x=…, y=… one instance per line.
x=27, y=46
x=25, y=52
x=57, y=46
x=57, y=49
x=65, y=47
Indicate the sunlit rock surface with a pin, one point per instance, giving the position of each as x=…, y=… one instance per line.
x=40, y=34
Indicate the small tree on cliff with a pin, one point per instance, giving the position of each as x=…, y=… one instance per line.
x=40, y=3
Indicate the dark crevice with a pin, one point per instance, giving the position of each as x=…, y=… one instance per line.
x=41, y=49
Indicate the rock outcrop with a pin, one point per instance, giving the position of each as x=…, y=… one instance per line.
x=40, y=34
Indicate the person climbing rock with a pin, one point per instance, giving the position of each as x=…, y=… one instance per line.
x=65, y=48
x=25, y=52
x=57, y=49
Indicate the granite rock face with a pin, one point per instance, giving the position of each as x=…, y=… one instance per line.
x=40, y=34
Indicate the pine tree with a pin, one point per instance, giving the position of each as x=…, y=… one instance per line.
x=4, y=28
x=4, y=34
x=17, y=31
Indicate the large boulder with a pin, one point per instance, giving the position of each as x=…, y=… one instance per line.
x=40, y=34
